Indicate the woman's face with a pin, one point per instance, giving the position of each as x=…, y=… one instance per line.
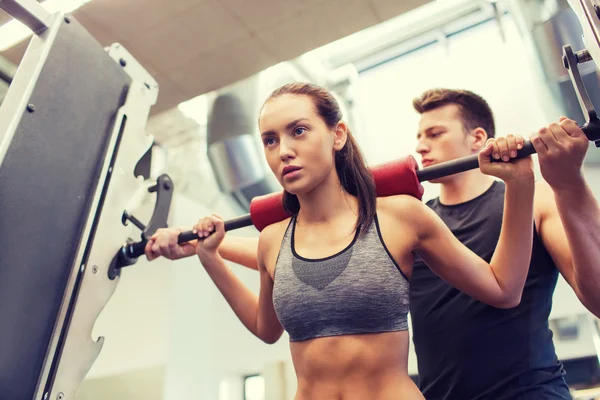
x=298, y=145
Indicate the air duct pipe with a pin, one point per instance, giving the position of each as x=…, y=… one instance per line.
x=232, y=143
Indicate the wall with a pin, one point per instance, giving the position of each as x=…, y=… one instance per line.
x=476, y=60
x=144, y=384
x=210, y=348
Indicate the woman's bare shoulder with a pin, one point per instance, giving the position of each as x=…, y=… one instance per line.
x=270, y=238
x=406, y=211
x=402, y=204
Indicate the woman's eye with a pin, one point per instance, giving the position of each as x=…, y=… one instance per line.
x=299, y=130
x=269, y=141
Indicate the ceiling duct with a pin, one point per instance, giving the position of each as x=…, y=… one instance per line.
x=232, y=143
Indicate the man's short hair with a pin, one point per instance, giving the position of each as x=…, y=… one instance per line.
x=474, y=110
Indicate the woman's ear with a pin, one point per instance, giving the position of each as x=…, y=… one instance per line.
x=341, y=135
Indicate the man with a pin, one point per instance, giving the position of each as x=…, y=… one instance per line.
x=467, y=350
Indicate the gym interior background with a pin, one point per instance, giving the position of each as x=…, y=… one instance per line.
x=169, y=333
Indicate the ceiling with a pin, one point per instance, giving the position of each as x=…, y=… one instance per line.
x=192, y=47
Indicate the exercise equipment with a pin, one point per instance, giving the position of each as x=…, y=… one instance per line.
x=72, y=133
x=71, y=110
x=393, y=178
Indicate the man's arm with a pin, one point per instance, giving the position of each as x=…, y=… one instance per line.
x=240, y=250
x=567, y=212
x=569, y=226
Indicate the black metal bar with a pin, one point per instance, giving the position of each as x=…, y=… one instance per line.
x=134, y=221
x=132, y=251
x=591, y=129
x=463, y=164
x=232, y=224
x=5, y=76
x=570, y=61
x=164, y=192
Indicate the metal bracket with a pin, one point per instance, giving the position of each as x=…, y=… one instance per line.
x=134, y=69
x=588, y=13
x=571, y=61
x=129, y=253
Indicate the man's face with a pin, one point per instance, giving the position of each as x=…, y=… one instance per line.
x=442, y=137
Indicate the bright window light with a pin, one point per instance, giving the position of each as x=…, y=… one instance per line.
x=254, y=387
x=196, y=109
x=14, y=31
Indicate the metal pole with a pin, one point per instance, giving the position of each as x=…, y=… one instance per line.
x=29, y=12
x=5, y=76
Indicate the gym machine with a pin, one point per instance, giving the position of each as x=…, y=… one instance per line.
x=72, y=147
x=73, y=152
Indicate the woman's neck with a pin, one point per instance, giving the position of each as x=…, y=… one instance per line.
x=327, y=203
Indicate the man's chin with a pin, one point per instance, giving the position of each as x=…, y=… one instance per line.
x=438, y=180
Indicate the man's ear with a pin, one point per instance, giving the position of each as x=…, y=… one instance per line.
x=341, y=136
x=478, y=138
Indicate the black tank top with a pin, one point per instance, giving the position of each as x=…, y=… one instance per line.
x=467, y=350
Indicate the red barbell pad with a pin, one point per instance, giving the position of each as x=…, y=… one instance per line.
x=398, y=177
x=391, y=178
x=267, y=209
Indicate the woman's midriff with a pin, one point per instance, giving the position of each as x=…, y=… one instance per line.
x=354, y=367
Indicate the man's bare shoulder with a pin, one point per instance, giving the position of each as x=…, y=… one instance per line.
x=544, y=204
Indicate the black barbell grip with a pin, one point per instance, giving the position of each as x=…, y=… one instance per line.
x=134, y=250
x=235, y=223
x=464, y=164
x=590, y=128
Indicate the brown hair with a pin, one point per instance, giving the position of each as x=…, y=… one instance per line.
x=355, y=176
x=474, y=110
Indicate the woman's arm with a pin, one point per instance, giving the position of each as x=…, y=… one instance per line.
x=499, y=283
x=237, y=249
x=257, y=314
x=240, y=250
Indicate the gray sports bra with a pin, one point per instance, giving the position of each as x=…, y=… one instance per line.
x=361, y=289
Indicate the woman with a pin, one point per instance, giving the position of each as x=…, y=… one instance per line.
x=336, y=274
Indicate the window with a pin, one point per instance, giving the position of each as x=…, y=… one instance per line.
x=476, y=59
x=254, y=387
